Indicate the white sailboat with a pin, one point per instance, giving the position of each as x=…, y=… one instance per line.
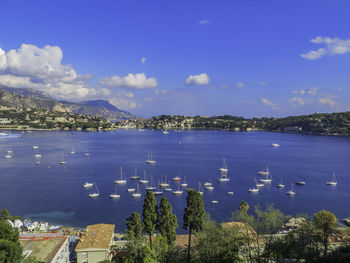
x=254, y=189
x=281, y=185
x=230, y=193
x=37, y=155
x=87, y=184
x=168, y=188
x=151, y=187
x=291, y=192
x=208, y=183
x=224, y=166
x=8, y=155
x=72, y=151
x=96, y=193
x=184, y=184
x=35, y=147
x=215, y=201
x=264, y=172
x=178, y=191
x=159, y=191
x=258, y=184
x=275, y=145
x=334, y=180
x=131, y=189
x=115, y=195
x=86, y=153
x=200, y=189
x=150, y=160
x=121, y=181
x=164, y=184
x=223, y=177
x=165, y=132
x=135, y=177
x=63, y=160
x=210, y=188
x=138, y=192
x=268, y=178
x=144, y=180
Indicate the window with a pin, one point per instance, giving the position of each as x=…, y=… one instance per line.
x=84, y=255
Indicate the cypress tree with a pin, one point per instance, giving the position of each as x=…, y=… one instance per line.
x=194, y=216
x=150, y=215
x=167, y=221
x=134, y=227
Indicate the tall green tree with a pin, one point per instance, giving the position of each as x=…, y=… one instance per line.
x=150, y=215
x=243, y=207
x=134, y=227
x=193, y=216
x=326, y=222
x=10, y=248
x=167, y=221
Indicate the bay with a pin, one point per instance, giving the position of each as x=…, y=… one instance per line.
x=54, y=192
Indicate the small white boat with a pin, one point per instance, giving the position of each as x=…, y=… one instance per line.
x=73, y=151
x=291, y=192
x=168, y=189
x=208, y=183
x=35, y=147
x=178, y=191
x=86, y=154
x=115, y=195
x=281, y=185
x=230, y=193
x=96, y=193
x=200, y=189
x=37, y=162
x=264, y=172
x=177, y=179
x=253, y=190
x=275, y=145
x=151, y=187
x=121, y=180
x=300, y=183
x=87, y=185
x=184, y=184
x=144, y=180
x=38, y=155
x=258, y=184
x=224, y=166
x=150, y=160
x=165, y=132
x=223, y=178
x=164, y=183
x=334, y=180
x=135, y=177
x=131, y=189
x=63, y=160
x=138, y=192
x=8, y=156
x=210, y=188
x=215, y=201
x=159, y=191
x=268, y=179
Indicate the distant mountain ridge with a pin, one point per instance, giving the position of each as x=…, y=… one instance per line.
x=35, y=99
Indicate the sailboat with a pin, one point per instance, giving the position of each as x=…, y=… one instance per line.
x=37, y=155
x=138, y=192
x=86, y=153
x=131, y=189
x=115, y=195
x=178, y=191
x=165, y=132
x=200, y=189
x=223, y=177
x=168, y=188
x=264, y=172
x=281, y=185
x=9, y=150
x=135, y=177
x=159, y=191
x=164, y=184
x=87, y=184
x=35, y=147
x=291, y=192
x=177, y=179
x=96, y=193
x=63, y=161
x=268, y=178
x=8, y=155
x=149, y=160
x=210, y=188
x=254, y=189
x=144, y=181
x=184, y=184
x=258, y=184
x=151, y=187
x=334, y=180
x=72, y=151
x=121, y=181
x=224, y=166
x=208, y=183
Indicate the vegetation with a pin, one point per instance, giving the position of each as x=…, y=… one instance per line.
x=193, y=216
x=150, y=215
x=167, y=221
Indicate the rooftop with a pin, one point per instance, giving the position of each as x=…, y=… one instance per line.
x=96, y=236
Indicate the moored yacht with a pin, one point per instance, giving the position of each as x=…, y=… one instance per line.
x=121, y=180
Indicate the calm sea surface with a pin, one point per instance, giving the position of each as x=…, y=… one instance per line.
x=55, y=192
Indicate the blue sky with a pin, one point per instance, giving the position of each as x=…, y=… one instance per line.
x=246, y=58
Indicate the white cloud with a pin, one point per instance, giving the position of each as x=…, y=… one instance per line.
x=268, y=103
x=314, y=54
x=263, y=83
x=129, y=95
x=240, y=85
x=328, y=101
x=204, y=21
x=201, y=79
x=42, y=68
x=105, y=92
x=143, y=60
x=334, y=46
x=123, y=103
x=311, y=91
x=296, y=101
x=133, y=81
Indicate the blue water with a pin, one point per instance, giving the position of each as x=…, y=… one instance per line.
x=54, y=192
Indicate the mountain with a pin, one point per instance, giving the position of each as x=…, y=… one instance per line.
x=31, y=98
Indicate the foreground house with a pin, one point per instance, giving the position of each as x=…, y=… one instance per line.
x=94, y=245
